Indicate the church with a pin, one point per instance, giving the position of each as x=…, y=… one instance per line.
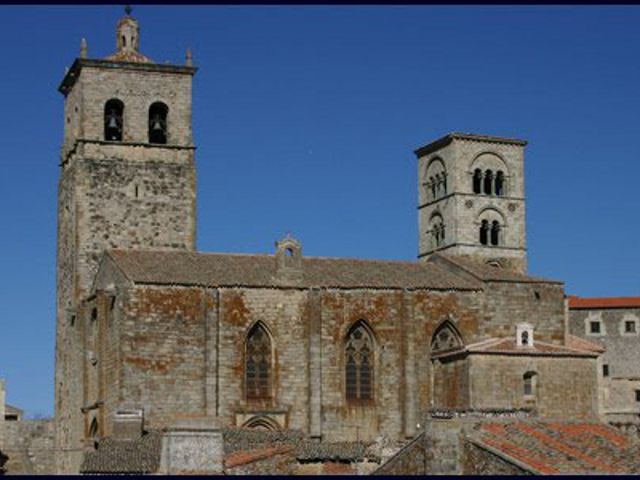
x=153, y=331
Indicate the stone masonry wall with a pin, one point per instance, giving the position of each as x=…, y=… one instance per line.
x=478, y=461
x=30, y=447
x=622, y=356
x=539, y=304
x=566, y=387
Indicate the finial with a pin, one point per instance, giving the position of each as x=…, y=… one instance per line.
x=128, y=10
x=189, y=60
x=83, y=48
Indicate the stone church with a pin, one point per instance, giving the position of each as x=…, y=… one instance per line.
x=340, y=349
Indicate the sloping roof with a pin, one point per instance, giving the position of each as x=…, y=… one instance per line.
x=508, y=346
x=223, y=269
x=488, y=273
x=125, y=456
x=583, y=344
x=11, y=410
x=578, y=303
x=562, y=447
x=447, y=139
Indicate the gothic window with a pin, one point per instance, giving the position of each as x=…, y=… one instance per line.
x=158, y=123
x=258, y=363
x=495, y=233
x=484, y=232
x=359, y=350
x=446, y=338
x=499, y=183
x=529, y=383
x=113, y=120
x=477, y=181
x=488, y=180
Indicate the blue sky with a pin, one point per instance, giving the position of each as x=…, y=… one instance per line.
x=305, y=120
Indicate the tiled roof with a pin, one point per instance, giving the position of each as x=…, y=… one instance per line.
x=577, y=303
x=125, y=456
x=547, y=447
x=489, y=273
x=12, y=410
x=583, y=344
x=508, y=346
x=238, y=458
x=221, y=269
x=131, y=57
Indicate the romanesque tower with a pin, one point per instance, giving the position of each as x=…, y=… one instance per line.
x=127, y=181
x=471, y=199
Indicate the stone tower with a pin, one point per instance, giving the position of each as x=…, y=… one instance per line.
x=127, y=181
x=471, y=199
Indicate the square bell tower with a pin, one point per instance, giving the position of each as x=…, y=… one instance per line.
x=127, y=181
x=471, y=199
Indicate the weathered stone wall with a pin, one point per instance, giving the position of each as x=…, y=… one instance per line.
x=462, y=210
x=478, y=461
x=30, y=447
x=566, y=387
x=126, y=194
x=410, y=460
x=621, y=355
x=539, y=304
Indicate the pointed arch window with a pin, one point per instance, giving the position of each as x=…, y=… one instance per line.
x=158, y=123
x=258, y=363
x=359, y=365
x=446, y=338
x=113, y=120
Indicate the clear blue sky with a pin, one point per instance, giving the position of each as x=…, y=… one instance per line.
x=305, y=120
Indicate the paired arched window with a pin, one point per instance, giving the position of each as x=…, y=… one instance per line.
x=488, y=182
x=490, y=232
x=437, y=231
x=436, y=184
x=113, y=120
x=258, y=363
x=359, y=363
x=158, y=123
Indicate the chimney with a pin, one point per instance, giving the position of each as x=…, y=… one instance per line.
x=128, y=423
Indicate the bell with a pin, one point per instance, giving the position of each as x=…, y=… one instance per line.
x=113, y=123
x=157, y=126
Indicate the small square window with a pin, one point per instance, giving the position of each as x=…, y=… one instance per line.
x=605, y=370
x=637, y=395
x=629, y=326
x=594, y=327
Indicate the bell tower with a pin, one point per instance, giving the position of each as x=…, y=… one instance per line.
x=127, y=181
x=471, y=199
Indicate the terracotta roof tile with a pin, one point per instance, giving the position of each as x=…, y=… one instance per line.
x=583, y=344
x=561, y=447
x=220, y=269
x=577, y=303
